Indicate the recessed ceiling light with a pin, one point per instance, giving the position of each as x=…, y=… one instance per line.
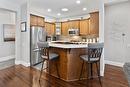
x=64, y=9
x=58, y=14
x=49, y=10
x=78, y=1
x=84, y=9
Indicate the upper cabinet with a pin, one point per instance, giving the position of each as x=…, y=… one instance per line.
x=84, y=27
x=64, y=28
x=37, y=21
x=50, y=28
x=74, y=24
x=40, y=21
x=33, y=20
x=89, y=26
x=94, y=23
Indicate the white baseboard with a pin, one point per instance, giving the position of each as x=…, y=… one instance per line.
x=114, y=63
x=3, y=59
x=22, y=62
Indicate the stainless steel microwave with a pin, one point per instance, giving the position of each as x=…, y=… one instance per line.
x=73, y=32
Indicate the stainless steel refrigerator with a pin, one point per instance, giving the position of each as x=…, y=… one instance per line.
x=37, y=34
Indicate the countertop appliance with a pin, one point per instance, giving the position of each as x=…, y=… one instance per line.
x=37, y=34
x=73, y=32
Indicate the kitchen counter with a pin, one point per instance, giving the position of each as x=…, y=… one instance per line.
x=68, y=45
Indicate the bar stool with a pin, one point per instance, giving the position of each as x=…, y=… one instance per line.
x=93, y=56
x=47, y=56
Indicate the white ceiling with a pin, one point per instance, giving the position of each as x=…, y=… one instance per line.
x=18, y=2
x=109, y=2
x=56, y=5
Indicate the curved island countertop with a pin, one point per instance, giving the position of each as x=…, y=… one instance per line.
x=68, y=45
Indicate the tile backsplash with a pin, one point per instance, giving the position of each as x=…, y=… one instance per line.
x=89, y=38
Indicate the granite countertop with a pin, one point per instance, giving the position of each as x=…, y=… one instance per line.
x=68, y=45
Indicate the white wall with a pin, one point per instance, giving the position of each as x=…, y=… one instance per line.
x=101, y=34
x=117, y=22
x=6, y=4
x=6, y=48
x=25, y=36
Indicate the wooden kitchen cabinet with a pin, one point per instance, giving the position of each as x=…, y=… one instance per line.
x=40, y=21
x=50, y=28
x=64, y=28
x=74, y=24
x=94, y=23
x=33, y=20
x=84, y=27
x=36, y=21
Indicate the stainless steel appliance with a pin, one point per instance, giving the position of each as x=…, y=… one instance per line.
x=37, y=34
x=73, y=32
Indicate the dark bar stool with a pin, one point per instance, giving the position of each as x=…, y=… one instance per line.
x=93, y=56
x=47, y=56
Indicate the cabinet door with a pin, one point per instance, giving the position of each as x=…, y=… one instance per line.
x=33, y=20
x=84, y=27
x=94, y=23
x=47, y=28
x=52, y=29
x=64, y=28
x=69, y=24
x=75, y=24
x=40, y=21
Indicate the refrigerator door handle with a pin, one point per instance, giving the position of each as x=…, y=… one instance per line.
x=36, y=50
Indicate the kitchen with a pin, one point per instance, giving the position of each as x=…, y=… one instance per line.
x=68, y=37
x=67, y=31
x=64, y=43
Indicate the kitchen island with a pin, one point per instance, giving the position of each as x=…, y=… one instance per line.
x=69, y=63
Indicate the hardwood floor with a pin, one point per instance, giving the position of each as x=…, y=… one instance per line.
x=20, y=76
